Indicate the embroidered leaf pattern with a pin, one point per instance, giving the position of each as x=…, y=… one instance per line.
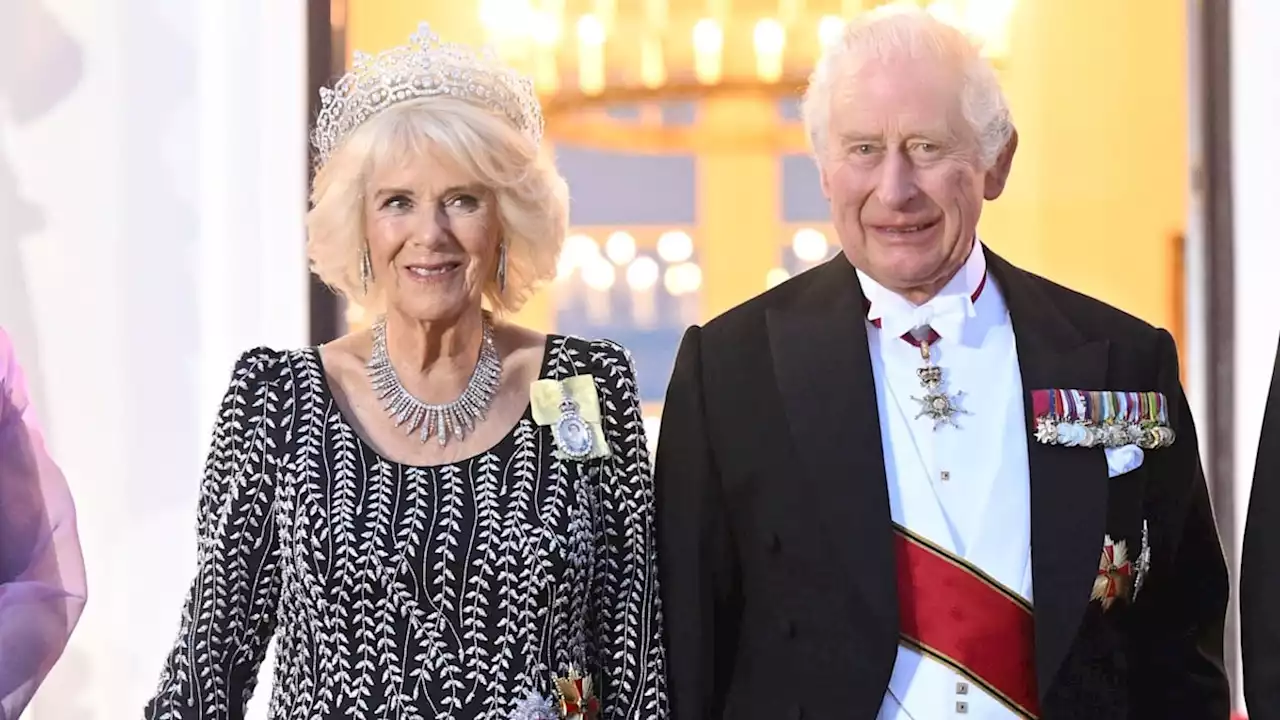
x=415, y=592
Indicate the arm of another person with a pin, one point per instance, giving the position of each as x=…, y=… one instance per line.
x=230, y=611
x=699, y=574
x=1180, y=612
x=1260, y=570
x=42, y=572
x=630, y=623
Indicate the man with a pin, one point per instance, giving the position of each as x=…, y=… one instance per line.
x=1259, y=581
x=917, y=482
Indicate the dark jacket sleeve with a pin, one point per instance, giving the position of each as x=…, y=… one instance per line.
x=1179, y=615
x=699, y=574
x=1260, y=570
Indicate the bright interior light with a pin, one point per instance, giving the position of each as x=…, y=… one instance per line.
x=675, y=246
x=809, y=245
x=776, y=277
x=599, y=274
x=620, y=247
x=682, y=279
x=642, y=273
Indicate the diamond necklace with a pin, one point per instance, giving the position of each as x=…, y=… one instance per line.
x=455, y=418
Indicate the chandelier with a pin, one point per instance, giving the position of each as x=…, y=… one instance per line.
x=590, y=57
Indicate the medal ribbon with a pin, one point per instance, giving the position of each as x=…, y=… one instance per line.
x=1099, y=407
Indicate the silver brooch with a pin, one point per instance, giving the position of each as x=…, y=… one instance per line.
x=571, y=432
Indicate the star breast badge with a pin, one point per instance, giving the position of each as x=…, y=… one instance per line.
x=936, y=404
x=1115, y=574
x=577, y=702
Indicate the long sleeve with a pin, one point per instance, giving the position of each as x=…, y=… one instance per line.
x=630, y=622
x=229, y=615
x=1260, y=570
x=1180, y=613
x=701, y=587
x=42, y=572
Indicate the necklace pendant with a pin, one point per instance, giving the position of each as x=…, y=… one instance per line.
x=572, y=434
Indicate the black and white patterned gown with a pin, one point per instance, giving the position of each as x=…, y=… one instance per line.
x=393, y=591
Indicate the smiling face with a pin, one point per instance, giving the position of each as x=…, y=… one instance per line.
x=433, y=235
x=903, y=173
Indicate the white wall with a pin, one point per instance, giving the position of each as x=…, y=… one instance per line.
x=152, y=185
x=1255, y=108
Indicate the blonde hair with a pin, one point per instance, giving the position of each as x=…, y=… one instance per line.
x=893, y=30
x=532, y=197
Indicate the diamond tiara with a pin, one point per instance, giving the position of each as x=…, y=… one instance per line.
x=426, y=67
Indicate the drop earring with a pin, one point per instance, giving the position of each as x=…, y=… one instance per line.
x=366, y=270
x=502, y=267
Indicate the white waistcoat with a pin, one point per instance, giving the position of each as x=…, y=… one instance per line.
x=965, y=489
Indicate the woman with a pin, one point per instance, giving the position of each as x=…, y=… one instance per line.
x=446, y=515
x=42, y=575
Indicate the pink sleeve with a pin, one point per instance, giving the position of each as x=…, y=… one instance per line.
x=42, y=573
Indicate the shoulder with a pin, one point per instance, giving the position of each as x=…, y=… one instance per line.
x=750, y=316
x=606, y=353
x=573, y=355
x=1094, y=318
x=609, y=362
x=265, y=366
x=747, y=324
x=1092, y=314
x=13, y=384
x=6, y=348
x=8, y=361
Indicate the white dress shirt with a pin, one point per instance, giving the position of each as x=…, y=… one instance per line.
x=964, y=488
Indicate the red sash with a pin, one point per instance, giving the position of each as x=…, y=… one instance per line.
x=954, y=613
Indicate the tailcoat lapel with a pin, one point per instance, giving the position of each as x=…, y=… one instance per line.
x=823, y=369
x=1068, y=485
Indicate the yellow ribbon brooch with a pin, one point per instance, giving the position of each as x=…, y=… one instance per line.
x=571, y=408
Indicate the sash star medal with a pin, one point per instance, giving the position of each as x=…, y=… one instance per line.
x=576, y=698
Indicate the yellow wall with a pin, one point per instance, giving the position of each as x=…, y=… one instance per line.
x=1099, y=187
x=374, y=25
x=739, y=234
x=1098, y=195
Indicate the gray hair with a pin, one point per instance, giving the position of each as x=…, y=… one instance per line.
x=895, y=31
